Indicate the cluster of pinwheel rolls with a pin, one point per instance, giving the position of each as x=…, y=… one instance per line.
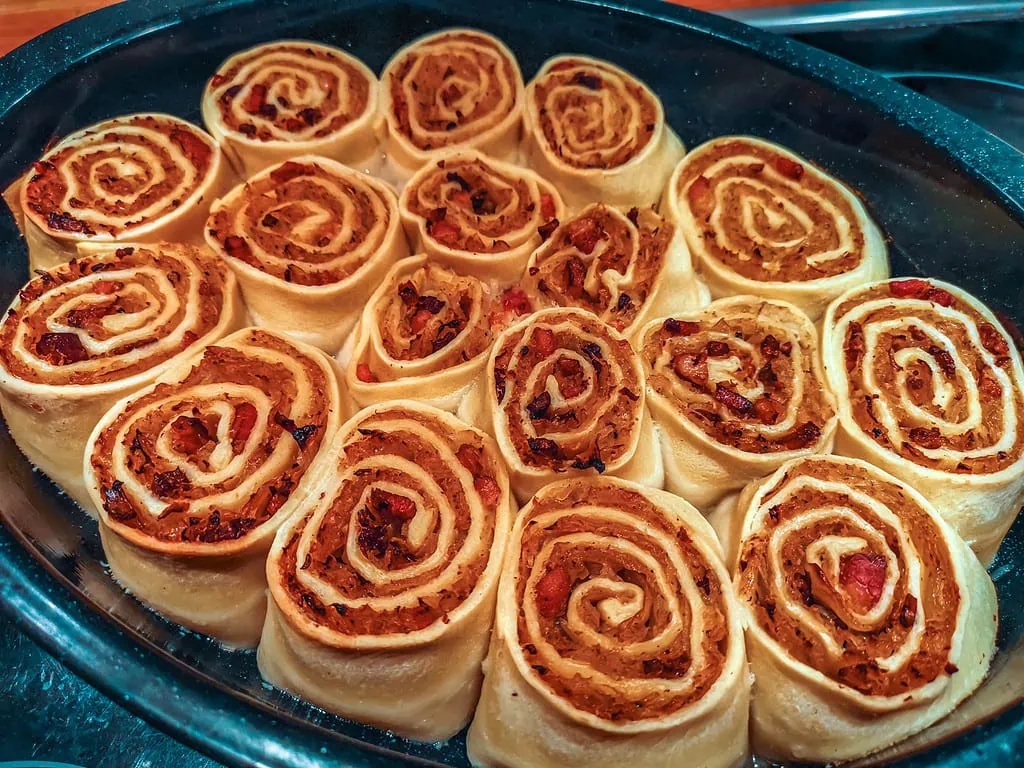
x=425, y=384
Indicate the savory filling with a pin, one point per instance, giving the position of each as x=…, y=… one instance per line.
x=122, y=176
x=290, y=92
x=303, y=224
x=765, y=218
x=603, y=262
x=745, y=382
x=171, y=439
x=107, y=317
x=569, y=393
x=370, y=523
x=922, y=386
x=593, y=586
x=469, y=205
x=450, y=89
x=840, y=590
x=594, y=116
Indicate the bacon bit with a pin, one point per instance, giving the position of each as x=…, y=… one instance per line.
x=864, y=577
x=61, y=348
x=732, y=399
x=854, y=346
x=393, y=505
x=547, y=206
x=544, y=446
x=364, y=374
x=301, y=435
x=806, y=434
x=717, y=349
x=499, y=383
x=633, y=216
x=575, y=274
x=107, y=287
x=171, y=483
x=469, y=456
x=680, y=327
x=624, y=302
x=951, y=669
x=587, y=80
x=909, y=612
x=122, y=252
x=699, y=191
x=941, y=297
x=553, y=593
x=594, y=462
x=188, y=435
x=515, y=300
x=65, y=222
x=217, y=80
x=692, y=368
x=766, y=410
x=116, y=502
x=237, y=247
x=927, y=437
x=407, y=292
x=545, y=230
x=993, y=340
x=545, y=340
x=912, y=287
x=538, y=407
x=194, y=147
x=241, y=425
x=944, y=359
x=310, y=116
x=789, y=168
x=584, y=234
x=419, y=320
x=770, y=347
x=444, y=232
x=288, y=171
x=463, y=199
x=488, y=489
x=256, y=97
x=455, y=178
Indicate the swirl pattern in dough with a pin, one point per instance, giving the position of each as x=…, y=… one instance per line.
x=564, y=393
x=598, y=133
x=457, y=88
x=385, y=585
x=194, y=475
x=868, y=617
x=307, y=239
x=618, y=636
x=760, y=219
x=736, y=389
x=135, y=179
x=478, y=215
x=931, y=389
x=82, y=335
x=623, y=267
x=289, y=98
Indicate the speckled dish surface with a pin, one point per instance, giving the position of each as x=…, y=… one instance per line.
x=950, y=195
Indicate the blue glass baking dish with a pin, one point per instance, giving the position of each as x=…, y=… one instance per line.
x=950, y=196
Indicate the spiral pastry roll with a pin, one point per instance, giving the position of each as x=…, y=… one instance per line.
x=736, y=389
x=308, y=240
x=931, y=389
x=142, y=178
x=760, y=219
x=623, y=267
x=564, y=395
x=457, y=88
x=617, y=639
x=479, y=216
x=598, y=133
x=425, y=334
x=290, y=98
x=82, y=335
x=194, y=475
x=383, y=588
x=867, y=617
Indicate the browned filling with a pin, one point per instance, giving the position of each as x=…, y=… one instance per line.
x=763, y=357
x=383, y=529
x=280, y=100
x=921, y=383
x=741, y=185
x=193, y=437
x=471, y=206
x=442, y=78
x=103, y=189
x=570, y=567
x=568, y=270
x=266, y=215
x=114, y=297
x=862, y=577
x=538, y=347
x=626, y=122
x=431, y=308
